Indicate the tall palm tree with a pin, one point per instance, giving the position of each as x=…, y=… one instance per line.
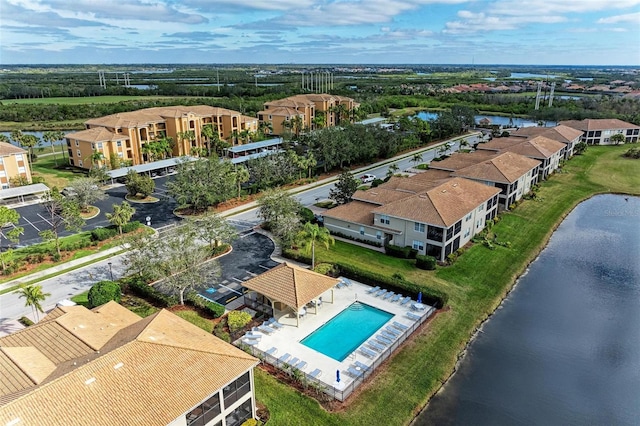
x=4, y=138
x=241, y=176
x=312, y=233
x=417, y=157
x=121, y=215
x=96, y=157
x=33, y=296
x=50, y=137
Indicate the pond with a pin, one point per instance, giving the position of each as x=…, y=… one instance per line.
x=495, y=119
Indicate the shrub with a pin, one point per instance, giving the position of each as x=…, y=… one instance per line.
x=325, y=269
x=426, y=262
x=250, y=422
x=214, y=309
x=413, y=253
x=102, y=234
x=237, y=320
x=397, y=251
x=25, y=321
x=376, y=182
x=306, y=215
x=129, y=227
x=360, y=240
x=141, y=289
x=103, y=292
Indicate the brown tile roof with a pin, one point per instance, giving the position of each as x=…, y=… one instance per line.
x=460, y=160
x=96, y=134
x=537, y=147
x=443, y=205
x=152, y=379
x=355, y=212
x=599, y=124
x=381, y=195
x=560, y=133
x=8, y=149
x=506, y=167
x=281, y=111
x=291, y=285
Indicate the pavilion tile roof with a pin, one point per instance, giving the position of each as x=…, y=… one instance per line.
x=290, y=284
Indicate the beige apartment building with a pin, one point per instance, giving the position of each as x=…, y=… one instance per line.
x=315, y=110
x=13, y=163
x=120, y=138
x=599, y=131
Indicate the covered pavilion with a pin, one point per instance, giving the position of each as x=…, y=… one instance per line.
x=288, y=289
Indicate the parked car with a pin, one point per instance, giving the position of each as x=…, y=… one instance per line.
x=68, y=192
x=367, y=178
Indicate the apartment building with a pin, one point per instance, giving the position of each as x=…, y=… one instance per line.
x=434, y=216
x=13, y=164
x=561, y=133
x=108, y=366
x=513, y=173
x=599, y=131
x=119, y=139
x=541, y=148
x=307, y=111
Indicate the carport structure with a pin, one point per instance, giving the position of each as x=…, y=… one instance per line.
x=288, y=289
x=18, y=194
x=162, y=165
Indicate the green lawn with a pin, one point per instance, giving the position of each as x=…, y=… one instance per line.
x=476, y=284
x=195, y=319
x=45, y=167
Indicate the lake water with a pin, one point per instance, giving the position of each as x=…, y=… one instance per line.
x=495, y=119
x=564, y=347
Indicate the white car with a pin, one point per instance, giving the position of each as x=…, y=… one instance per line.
x=367, y=178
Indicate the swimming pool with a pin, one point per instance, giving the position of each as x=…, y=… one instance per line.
x=346, y=331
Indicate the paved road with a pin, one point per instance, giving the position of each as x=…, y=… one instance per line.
x=249, y=256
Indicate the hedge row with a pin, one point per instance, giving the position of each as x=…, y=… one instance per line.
x=140, y=288
x=426, y=262
x=401, y=252
x=214, y=309
x=430, y=296
x=101, y=234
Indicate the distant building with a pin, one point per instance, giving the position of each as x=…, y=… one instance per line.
x=599, y=131
x=561, y=133
x=121, y=138
x=108, y=366
x=13, y=164
x=305, y=111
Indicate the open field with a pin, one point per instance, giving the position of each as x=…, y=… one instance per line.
x=81, y=100
x=476, y=284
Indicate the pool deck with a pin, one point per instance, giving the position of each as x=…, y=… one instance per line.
x=287, y=339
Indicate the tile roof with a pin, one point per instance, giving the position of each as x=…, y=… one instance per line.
x=96, y=134
x=460, y=160
x=506, y=167
x=443, y=205
x=381, y=195
x=9, y=149
x=599, y=124
x=159, y=369
x=291, y=285
x=560, y=133
x=355, y=212
x=283, y=111
x=537, y=147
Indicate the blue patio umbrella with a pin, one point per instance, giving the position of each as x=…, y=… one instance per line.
x=420, y=297
x=338, y=376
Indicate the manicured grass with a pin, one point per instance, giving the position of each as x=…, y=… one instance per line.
x=45, y=167
x=81, y=299
x=195, y=319
x=476, y=284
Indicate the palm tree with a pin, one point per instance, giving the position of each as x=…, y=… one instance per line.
x=96, y=157
x=265, y=127
x=121, y=215
x=393, y=168
x=312, y=233
x=241, y=176
x=297, y=124
x=28, y=141
x=4, y=138
x=33, y=295
x=50, y=137
x=417, y=157
x=208, y=133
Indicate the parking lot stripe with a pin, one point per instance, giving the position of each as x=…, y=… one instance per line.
x=29, y=222
x=264, y=267
x=42, y=217
x=230, y=289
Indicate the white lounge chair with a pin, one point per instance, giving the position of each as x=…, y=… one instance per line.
x=301, y=365
x=380, y=293
x=266, y=329
x=413, y=316
x=367, y=352
x=353, y=372
x=405, y=301
x=316, y=373
x=252, y=335
x=250, y=342
x=383, y=340
x=392, y=331
x=284, y=358
x=274, y=323
x=272, y=351
x=400, y=326
x=388, y=335
x=373, y=290
x=388, y=295
x=396, y=298
x=361, y=366
x=294, y=361
x=376, y=346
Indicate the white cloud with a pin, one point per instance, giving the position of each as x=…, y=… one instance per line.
x=634, y=18
x=474, y=22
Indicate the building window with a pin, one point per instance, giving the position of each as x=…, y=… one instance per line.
x=434, y=233
x=362, y=230
x=205, y=412
x=418, y=245
x=119, y=144
x=80, y=163
x=378, y=235
x=77, y=143
x=79, y=153
x=482, y=207
x=468, y=218
x=467, y=232
x=19, y=157
x=449, y=234
x=240, y=414
x=99, y=145
x=384, y=219
x=457, y=227
x=418, y=227
x=22, y=169
x=236, y=390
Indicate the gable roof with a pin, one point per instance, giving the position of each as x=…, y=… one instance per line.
x=560, y=133
x=536, y=147
x=153, y=371
x=9, y=149
x=506, y=167
x=443, y=205
x=589, y=124
x=356, y=212
x=291, y=285
x=96, y=134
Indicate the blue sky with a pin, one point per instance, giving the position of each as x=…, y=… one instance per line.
x=536, y=32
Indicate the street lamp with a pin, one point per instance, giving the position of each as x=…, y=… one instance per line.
x=148, y=219
x=110, y=270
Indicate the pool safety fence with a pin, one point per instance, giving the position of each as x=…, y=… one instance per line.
x=350, y=379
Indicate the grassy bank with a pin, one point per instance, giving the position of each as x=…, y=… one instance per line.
x=476, y=284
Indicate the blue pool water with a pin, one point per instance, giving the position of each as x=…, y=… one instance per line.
x=347, y=330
